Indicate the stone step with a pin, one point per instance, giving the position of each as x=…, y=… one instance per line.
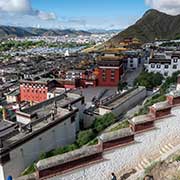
x=166, y=148
x=143, y=164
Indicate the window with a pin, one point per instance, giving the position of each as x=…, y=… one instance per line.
x=158, y=66
x=175, y=60
x=112, y=72
x=174, y=66
x=131, y=61
x=104, y=78
x=152, y=65
x=131, y=65
x=166, y=66
x=73, y=119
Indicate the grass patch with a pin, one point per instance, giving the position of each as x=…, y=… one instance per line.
x=155, y=99
x=31, y=169
x=93, y=142
x=151, y=167
x=122, y=125
x=176, y=158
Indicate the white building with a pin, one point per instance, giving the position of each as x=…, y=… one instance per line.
x=164, y=65
x=133, y=62
x=40, y=128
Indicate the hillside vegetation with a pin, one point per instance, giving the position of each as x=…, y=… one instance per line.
x=153, y=25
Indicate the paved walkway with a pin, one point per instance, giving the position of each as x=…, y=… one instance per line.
x=130, y=76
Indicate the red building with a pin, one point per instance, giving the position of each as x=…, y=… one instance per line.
x=110, y=70
x=36, y=91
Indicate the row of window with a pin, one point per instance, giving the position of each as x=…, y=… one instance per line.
x=33, y=98
x=34, y=91
x=158, y=66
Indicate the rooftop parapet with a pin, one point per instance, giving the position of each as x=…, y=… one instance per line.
x=160, y=109
x=174, y=97
x=117, y=138
x=109, y=136
x=68, y=157
x=141, y=119
x=69, y=161
x=141, y=123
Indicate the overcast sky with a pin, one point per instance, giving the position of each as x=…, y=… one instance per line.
x=80, y=14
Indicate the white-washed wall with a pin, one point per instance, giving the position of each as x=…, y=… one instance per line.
x=146, y=145
x=24, y=155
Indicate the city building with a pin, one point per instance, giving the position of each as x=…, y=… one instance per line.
x=135, y=145
x=40, y=128
x=36, y=91
x=110, y=70
x=13, y=96
x=132, y=60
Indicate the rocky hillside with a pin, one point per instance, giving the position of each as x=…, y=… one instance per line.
x=152, y=25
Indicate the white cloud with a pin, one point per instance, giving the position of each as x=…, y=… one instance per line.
x=167, y=6
x=24, y=7
x=46, y=16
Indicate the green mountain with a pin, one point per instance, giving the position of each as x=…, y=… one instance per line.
x=153, y=25
x=8, y=31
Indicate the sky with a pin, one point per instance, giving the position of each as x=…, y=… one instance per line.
x=80, y=14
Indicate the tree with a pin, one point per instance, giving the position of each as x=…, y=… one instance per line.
x=103, y=122
x=149, y=80
x=85, y=136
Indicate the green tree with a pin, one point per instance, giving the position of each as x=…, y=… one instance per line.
x=85, y=136
x=149, y=80
x=103, y=122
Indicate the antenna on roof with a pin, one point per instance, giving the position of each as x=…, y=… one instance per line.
x=29, y=127
x=52, y=115
x=20, y=129
x=70, y=107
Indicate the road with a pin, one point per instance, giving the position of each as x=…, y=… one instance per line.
x=130, y=76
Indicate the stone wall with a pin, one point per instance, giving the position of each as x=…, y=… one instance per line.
x=25, y=154
x=147, y=142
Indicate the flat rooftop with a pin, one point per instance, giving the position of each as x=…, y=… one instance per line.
x=115, y=100
x=44, y=107
x=41, y=125
x=6, y=127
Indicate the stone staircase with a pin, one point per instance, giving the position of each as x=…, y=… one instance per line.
x=143, y=164
x=166, y=148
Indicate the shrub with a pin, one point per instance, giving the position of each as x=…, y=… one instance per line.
x=93, y=142
x=85, y=136
x=64, y=149
x=151, y=167
x=176, y=158
x=103, y=122
x=149, y=80
x=31, y=169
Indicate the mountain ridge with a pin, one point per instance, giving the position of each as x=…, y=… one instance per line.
x=153, y=25
x=9, y=31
